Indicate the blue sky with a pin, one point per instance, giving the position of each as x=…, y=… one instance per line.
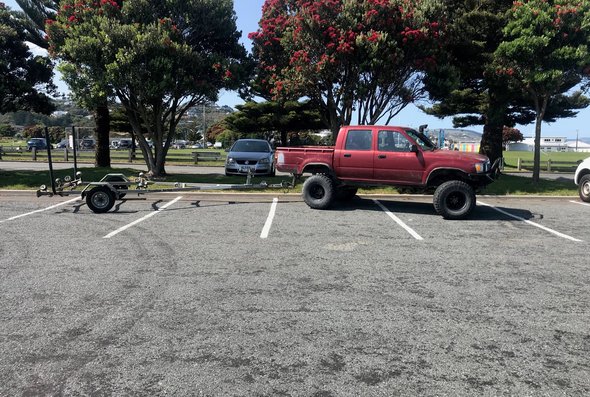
x=248, y=13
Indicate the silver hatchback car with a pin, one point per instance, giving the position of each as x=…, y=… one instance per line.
x=250, y=155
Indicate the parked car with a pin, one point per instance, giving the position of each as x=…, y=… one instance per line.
x=247, y=155
x=87, y=143
x=179, y=144
x=62, y=144
x=197, y=145
x=37, y=143
x=582, y=179
x=123, y=143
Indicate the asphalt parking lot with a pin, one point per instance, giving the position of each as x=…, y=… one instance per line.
x=192, y=295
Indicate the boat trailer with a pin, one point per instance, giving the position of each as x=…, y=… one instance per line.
x=101, y=196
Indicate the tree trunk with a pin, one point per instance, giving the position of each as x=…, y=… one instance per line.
x=540, y=108
x=491, y=140
x=102, y=119
x=537, y=158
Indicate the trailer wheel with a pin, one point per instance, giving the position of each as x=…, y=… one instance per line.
x=346, y=193
x=454, y=200
x=318, y=191
x=100, y=199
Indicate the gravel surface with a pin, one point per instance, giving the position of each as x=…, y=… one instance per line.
x=345, y=302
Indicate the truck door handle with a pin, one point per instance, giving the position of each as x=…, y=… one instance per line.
x=348, y=155
x=382, y=156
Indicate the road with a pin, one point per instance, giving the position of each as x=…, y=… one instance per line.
x=378, y=297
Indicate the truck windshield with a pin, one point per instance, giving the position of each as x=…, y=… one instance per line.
x=421, y=139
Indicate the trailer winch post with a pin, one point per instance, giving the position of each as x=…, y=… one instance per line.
x=75, y=152
x=49, y=160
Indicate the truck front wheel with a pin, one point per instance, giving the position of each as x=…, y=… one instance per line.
x=318, y=191
x=454, y=200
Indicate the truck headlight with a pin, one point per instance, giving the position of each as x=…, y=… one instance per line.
x=482, y=167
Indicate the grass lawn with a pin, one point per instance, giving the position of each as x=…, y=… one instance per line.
x=506, y=185
x=511, y=158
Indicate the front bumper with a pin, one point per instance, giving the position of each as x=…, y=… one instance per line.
x=485, y=178
x=258, y=169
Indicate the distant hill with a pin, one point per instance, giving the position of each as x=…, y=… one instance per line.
x=455, y=134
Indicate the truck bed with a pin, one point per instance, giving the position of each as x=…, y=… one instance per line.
x=294, y=159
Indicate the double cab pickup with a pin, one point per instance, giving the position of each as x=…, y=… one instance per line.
x=365, y=156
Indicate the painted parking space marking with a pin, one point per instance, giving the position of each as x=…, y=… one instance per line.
x=577, y=202
x=162, y=208
x=269, y=219
x=399, y=221
x=37, y=211
x=555, y=232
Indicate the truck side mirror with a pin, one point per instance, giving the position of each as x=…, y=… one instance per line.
x=414, y=148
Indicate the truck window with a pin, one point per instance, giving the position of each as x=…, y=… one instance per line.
x=358, y=140
x=421, y=139
x=393, y=141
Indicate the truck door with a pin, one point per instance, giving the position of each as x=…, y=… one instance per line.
x=355, y=159
x=394, y=160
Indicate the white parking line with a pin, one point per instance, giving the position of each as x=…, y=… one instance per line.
x=41, y=210
x=399, y=221
x=162, y=208
x=565, y=236
x=577, y=202
x=271, y=215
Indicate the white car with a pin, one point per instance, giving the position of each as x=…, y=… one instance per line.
x=582, y=179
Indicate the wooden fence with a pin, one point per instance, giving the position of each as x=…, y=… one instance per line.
x=548, y=165
x=15, y=153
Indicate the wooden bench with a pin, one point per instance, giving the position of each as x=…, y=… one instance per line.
x=206, y=156
x=17, y=150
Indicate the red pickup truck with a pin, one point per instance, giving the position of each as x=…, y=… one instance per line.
x=366, y=156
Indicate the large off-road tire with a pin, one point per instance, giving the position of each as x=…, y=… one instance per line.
x=454, y=200
x=345, y=193
x=100, y=199
x=318, y=191
x=584, y=188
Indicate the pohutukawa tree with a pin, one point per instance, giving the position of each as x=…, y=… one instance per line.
x=25, y=79
x=545, y=55
x=363, y=56
x=158, y=58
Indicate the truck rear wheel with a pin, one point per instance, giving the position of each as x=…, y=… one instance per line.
x=454, y=200
x=100, y=199
x=318, y=191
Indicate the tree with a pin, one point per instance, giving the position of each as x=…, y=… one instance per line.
x=545, y=54
x=365, y=56
x=267, y=118
x=7, y=130
x=510, y=134
x=158, y=58
x=25, y=80
x=38, y=13
x=467, y=87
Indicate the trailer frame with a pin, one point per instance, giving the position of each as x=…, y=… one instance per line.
x=101, y=195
